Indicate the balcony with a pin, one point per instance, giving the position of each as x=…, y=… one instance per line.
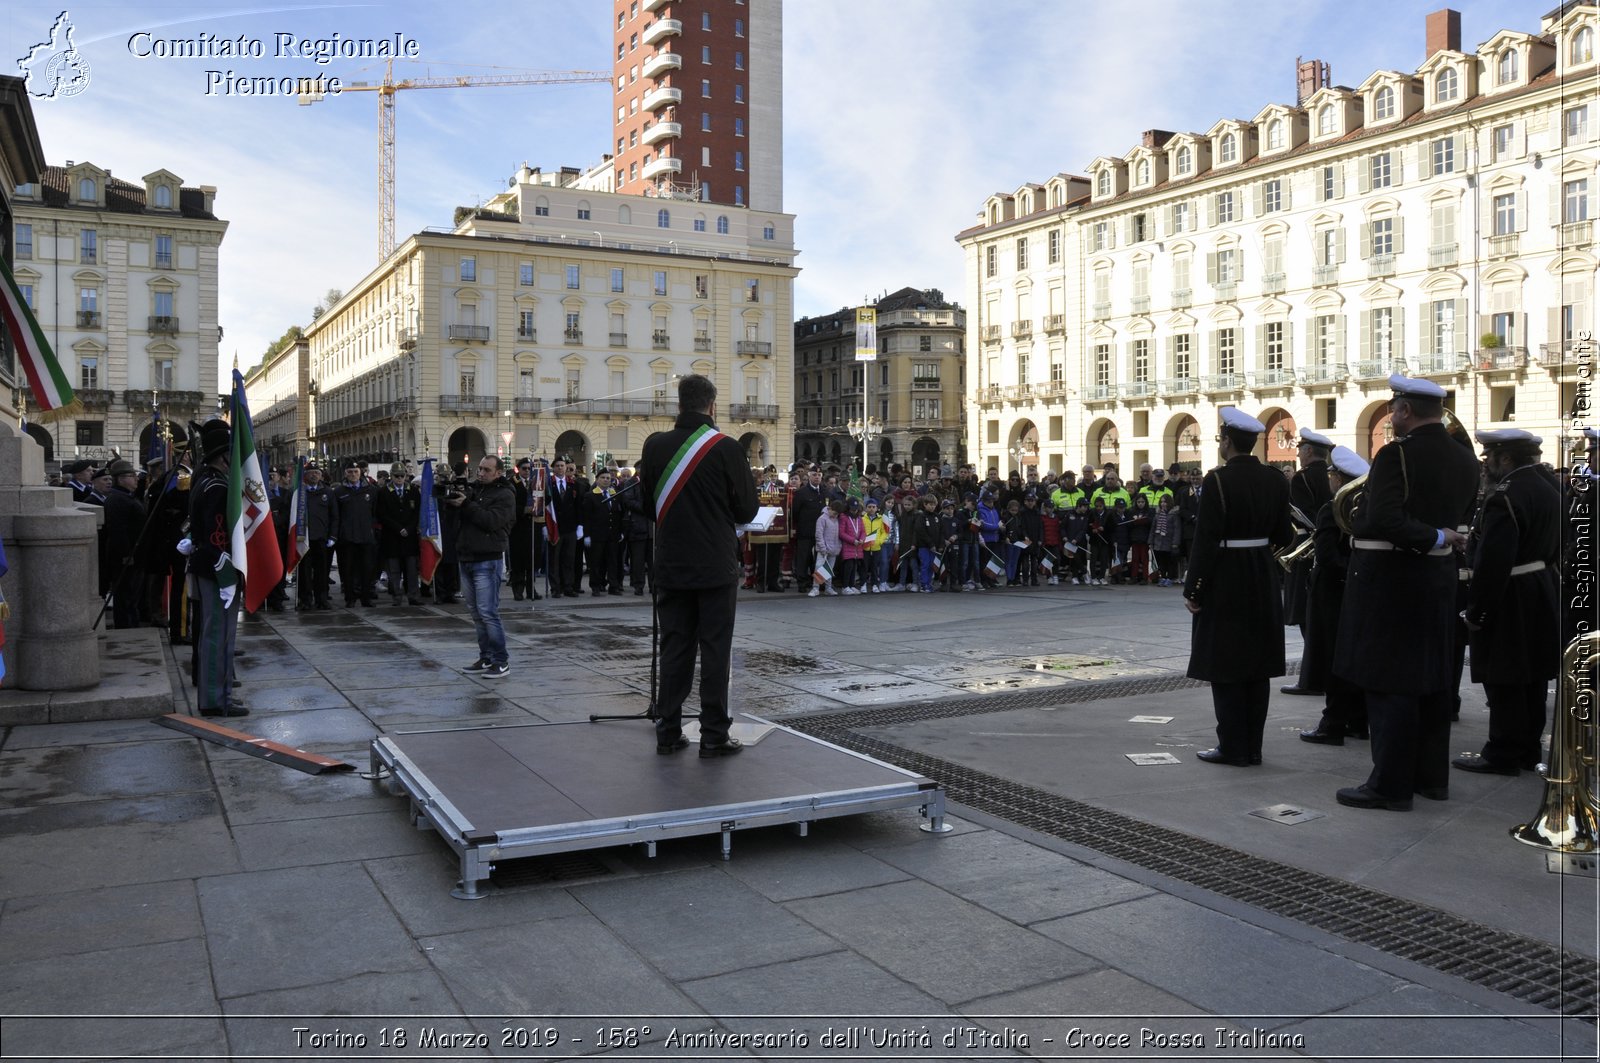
x=620, y=407
x=163, y=261
x=1182, y=385
x=752, y=411
x=925, y=383
x=1271, y=380
x=1575, y=234
x=1378, y=369
x=526, y=404
x=573, y=336
x=666, y=164
x=663, y=97
x=162, y=325
x=652, y=5
x=87, y=257
x=662, y=131
x=1182, y=298
x=1444, y=256
x=660, y=341
x=408, y=339
x=328, y=423
x=479, y=333
x=1566, y=354
x=1274, y=284
x=1054, y=389
x=662, y=62
x=1226, y=291
x=1223, y=383
x=1100, y=311
x=1138, y=389
x=702, y=342
x=619, y=339
x=1506, y=245
x=528, y=333
x=1055, y=322
x=469, y=404
x=1441, y=364
x=989, y=396
x=760, y=348
x=1021, y=330
x=1322, y=276
x=1501, y=359
x=1327, y=374
x=1379, y=266
x=991, y=334
x=88, y=319
x=1139, y=304
x=1017, y=392
x=850, y=391
x=139, y=399
x=660, y=30
x=1099, y=393
x=95, y=398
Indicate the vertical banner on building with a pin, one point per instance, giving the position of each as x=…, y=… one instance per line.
x=866, y=334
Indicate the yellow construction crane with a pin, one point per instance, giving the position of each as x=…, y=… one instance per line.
x=389, y=86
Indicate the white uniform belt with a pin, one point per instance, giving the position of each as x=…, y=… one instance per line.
x=1241, y=544
x=1384, y=544
x=1527, y=567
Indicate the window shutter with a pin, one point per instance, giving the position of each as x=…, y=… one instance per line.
x=1339, y=244
x=1211, y=210
x=1111, y=235
x=1285, y=185
x=1399, y=234
x=1556, y=191
x=1338, y=180
x=1311, y=340
x=1288, y=342
x=1462, y=321
x=1340, y=352
x=1521, y=338
x=1399, y=334
x=1397, y=159
x=1554, y=326
x=1485, y=326
x=1366, y=239
x=1261, y=345
x=1366, y=335
x=1260, y=198
x=1461, y=153
x=1425, y=159
x=1211, y=268
x=1365, y=178
x=1171, y=219
x=1238, y=265
x=1522, y=211
x=1425, y=327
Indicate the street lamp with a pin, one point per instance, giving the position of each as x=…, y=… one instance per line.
x=864, y=430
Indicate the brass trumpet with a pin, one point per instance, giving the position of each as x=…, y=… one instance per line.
x=1288, y=556
x=1565, y=821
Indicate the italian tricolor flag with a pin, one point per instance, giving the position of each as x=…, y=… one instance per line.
x=254, y=550
x=48, y=384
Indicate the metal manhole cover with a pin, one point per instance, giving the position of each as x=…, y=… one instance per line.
x=1144, y=760
x=1287, y=814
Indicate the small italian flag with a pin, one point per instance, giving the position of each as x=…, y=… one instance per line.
x=47, y=383
x=824, y=571
x=994, y=567
x=1047, y=564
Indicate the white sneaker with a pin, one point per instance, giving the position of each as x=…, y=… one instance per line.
x=872, y=588
x=1051, y=582
x=814, y=592
x=850, y=591
x=829, y=591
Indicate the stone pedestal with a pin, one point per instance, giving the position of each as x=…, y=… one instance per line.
x=52, y=550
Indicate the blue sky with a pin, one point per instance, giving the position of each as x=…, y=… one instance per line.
x=900, y=116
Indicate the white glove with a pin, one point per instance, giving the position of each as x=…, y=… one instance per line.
x=330, y=544
x=185, y=547
x=227, y=596
x=580, y=531
x=587, y=542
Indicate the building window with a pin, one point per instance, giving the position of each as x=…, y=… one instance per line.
x=86, y=246
x=663, y=219
x=769, y=232
x=1575, y=201
x=89, y=372
x=1224, y=207
x=1507, y=67
x=738, y=60
x=1582, y=50
x=1226, y=266
x=86, y=189
x=1103, y=184
x=1272, y=349
x=738, y=27
x=574, y=329
x=752, y=291
x=24, y=234
x=616, y=278
x=1501, y=135
x=1054, y=244
x=572, y=277
x=722, y=224
x=699, y=225
x=1230, y=148
x=1102, y=365
x=738, y=160
x=1275, y=135
x=1444, y=155
x=705, y=54
x=990, y=260
x=1102, y=236
x=705, y=88
x=1225, y=351
x=1443, y=326
x=27, y=295
x=1142, y=173
x=1141, y=361
x=1022, y=253
x=1575, y=124
x=660, y=286
x=525, y=274
x=738, y=94
x=1185, y=160
x=1180, y=217
x=705, y=20
x=161, y=303
x=1324, y=330
x=1383, y=104
x=1505, y=214
x=164, y=197
x=583, y=213
x=1139, y=228
x=88, y=300
x=1446, y=85
x=469, y=269
x=1272, y=196
x=1327, y=121
x=1382, y=236
x=525, y=327
x=705, y=122
x=1328, y=183
x=1382, y=335
x=161, y=374
x=1182, y=363
x=90, y=433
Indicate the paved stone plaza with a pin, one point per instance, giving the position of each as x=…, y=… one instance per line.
x=215, y=905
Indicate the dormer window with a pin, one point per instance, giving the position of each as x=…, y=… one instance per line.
x=1185, y=160
x=1229, y=149
x=1275, y=135
x=1103, y=183
x=1327, y=121
x=164, y=197
x=1142, y=172
x=86, y=188
x=1506, y=68
x=1582, y=48
x=1383, y=104
x=1446, y=85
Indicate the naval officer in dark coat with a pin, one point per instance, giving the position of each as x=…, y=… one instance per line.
x=1308, y=493
x=1234, y=590
x=1344, y=711
x=1513, y=607
x=1397, y=631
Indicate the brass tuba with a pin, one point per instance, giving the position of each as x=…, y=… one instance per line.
x=1565, y=821
x=1348, y=498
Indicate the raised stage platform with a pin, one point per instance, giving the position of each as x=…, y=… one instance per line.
x=499, y=793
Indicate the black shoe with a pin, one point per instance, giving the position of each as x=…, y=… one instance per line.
x=1307, y=691
x=1434, y=793
x=1216, y=756
x=1364, y=796
x=517, y=593
x=617, y=591
x=759, y=590
x=667, y=748
x=477, y=667
x=638, y=592
x=1475, y=762
x=724, y=749
x=412, y=601
x=496, y=671
x=1322, y=737
x=231, y=710
x=324, y=605
x=1352, y=731
x=537, y=596
x=555, y=594
x=1255, y=758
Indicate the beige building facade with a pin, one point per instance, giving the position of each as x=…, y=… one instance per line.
x=278, y=391
x=1435, y=222
x=555, y=321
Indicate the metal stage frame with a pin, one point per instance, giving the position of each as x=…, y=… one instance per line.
x=501, y=793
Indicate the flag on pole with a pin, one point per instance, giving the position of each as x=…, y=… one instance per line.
x=51, y=390
x=994, y=567
x=256, y=562
x=295, y=547
x=938, y=566
x=551, y=532
x=1047, y=564
x=431, y=545
x=5, y=612
x=155, y=450
x=824, y=571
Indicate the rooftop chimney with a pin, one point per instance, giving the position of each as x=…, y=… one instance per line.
x=1309, y=76
x=1444, y=32
x=1156, y=139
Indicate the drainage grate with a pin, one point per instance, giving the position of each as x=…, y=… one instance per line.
x=543, y=870
x=1525, y=969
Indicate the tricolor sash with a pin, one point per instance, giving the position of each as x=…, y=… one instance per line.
x=682, y=466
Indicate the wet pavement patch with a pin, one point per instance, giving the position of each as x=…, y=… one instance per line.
x=89, y=773
x=775, y=662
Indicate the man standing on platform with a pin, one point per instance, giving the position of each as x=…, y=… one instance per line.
x=697, y=487
x=1397, y=631
x=1233, y=589
x=1513, y=605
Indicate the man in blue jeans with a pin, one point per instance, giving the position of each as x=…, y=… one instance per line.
x=488, y=509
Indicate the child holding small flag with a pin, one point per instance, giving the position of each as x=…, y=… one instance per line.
x=827, y=548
